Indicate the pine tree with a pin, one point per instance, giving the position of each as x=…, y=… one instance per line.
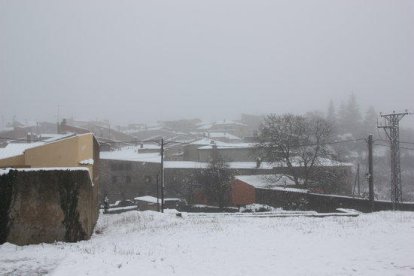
x=350, y=117
x=331, y=116
x=370, y=121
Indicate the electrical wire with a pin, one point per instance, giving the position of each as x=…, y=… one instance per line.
x=401, y=142
x=388, y=146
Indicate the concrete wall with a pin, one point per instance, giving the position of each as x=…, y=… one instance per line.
x=15, y=161
x=229, y=154
x=190, y=153
x=121, y=180
x=46, y=206
x=321, y=202
x=67, y=152
x=63, y=153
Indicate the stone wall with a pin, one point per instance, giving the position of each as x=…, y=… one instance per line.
x=47, y=205
x=229, y=154
x=322, y=202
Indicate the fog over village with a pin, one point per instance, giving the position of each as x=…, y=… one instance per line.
x=207, y=138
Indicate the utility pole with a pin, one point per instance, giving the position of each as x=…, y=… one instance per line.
x=158, y=195
x=162, y=175
x=391, y=128
x=357, y=185
x=370, y=173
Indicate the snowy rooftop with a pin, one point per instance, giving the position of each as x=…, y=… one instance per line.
x=51, y=137
x=197, y=165
x=274, y=182
x=230, y=146
x=131, y=154
x=266, y=181
x=152, y=199
x=15, y=149
x=207, y=141
x=219, y=123
x=223, y=135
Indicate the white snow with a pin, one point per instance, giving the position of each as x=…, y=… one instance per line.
x=152, y=199
x=131, y=154
x=226, y=135
x=87, y=162
x=52, y=137
x=15, y=149
x=150, y=243
x=149, y=199
x=266, y=180
x=207, y=141
x=230, y=146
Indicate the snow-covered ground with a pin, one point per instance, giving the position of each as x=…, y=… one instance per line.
x=150, y=243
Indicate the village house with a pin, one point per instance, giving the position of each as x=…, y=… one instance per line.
x=249, y=189
x=127, y=173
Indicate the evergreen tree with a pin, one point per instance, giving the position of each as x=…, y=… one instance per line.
x=370, y=121
x=331, y=116
x=350, y=117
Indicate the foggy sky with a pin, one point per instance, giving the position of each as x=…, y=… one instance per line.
x=140, y=61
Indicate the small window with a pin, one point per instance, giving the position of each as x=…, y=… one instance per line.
x=114, y=179
x=128, y=179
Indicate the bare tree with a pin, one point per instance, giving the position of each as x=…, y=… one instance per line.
x=215, y=179
x=296, y=142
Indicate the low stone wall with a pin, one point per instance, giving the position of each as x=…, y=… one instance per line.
x=322, y=202
x=47, y=205
x=329, y=203
x=282, y=199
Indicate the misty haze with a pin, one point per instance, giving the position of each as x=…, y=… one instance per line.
x=207, y=137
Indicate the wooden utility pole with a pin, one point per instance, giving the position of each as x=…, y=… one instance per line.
x=370, y=173
x=158, y=193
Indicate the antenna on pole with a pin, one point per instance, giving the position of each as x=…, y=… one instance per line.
x=391, y=127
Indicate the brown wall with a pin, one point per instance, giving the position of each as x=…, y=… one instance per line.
x=15, y=161
x=242, y=193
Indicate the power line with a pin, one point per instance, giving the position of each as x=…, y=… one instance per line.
x=401, y=142
x=329, y=143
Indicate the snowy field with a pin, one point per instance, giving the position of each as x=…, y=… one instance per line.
x=150, y=243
